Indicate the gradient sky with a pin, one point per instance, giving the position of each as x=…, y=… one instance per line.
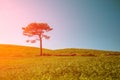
x=92, y=24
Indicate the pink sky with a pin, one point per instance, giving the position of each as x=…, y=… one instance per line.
x=14, y=16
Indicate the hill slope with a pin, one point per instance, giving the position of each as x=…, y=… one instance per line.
x=20, y=51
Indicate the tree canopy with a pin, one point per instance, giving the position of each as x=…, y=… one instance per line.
x=36, y=29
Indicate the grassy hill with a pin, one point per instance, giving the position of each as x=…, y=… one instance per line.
x=21, y=63
x=20, y=51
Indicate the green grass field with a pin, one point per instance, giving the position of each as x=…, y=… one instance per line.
x=24, y=63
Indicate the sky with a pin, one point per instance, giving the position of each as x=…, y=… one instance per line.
x=89, y=24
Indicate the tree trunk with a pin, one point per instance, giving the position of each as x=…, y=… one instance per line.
x=40, y=45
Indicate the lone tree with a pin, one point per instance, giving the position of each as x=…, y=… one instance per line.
x=38, y=30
